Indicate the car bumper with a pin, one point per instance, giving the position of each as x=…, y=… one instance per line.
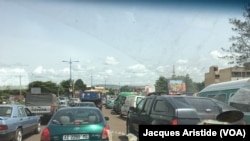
x=7, y=136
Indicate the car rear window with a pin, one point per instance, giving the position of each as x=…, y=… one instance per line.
x=73, y=116
x=201, y=105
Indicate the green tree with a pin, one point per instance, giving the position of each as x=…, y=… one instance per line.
x=65, y=84
x=111, y=91
x=46, y=87
x=190, y=86
x=126, y=88
x=200, y=86
x=239, y=51
x=161, y=84
x=79, y=85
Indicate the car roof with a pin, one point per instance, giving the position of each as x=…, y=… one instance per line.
x=127, y=93
x=94, y=108
x=172, y=99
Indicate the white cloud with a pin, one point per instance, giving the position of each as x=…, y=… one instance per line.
x=111, y=61
x=215, y=54
x=39, y=70
x=160, y=69
x=109, y=72
x=138, y=68
x=181, y=61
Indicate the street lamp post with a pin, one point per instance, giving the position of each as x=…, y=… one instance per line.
x=70, y=75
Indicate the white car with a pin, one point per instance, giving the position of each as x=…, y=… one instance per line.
x=131, y=101
x=63, y=100
x=74, y=101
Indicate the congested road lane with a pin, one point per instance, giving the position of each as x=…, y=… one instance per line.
x=116, y=123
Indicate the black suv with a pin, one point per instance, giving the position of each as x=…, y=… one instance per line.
x=161, y=109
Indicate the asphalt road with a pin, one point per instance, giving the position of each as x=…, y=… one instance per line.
x=117, y=127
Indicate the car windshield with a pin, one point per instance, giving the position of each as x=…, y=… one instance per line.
x=75, y=116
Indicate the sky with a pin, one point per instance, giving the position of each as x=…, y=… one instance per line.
x=113, y=41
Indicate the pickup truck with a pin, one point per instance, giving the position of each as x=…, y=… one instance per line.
x=164, y=109
x=17, y=121
x=43, y=104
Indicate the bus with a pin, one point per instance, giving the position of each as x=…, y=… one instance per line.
x=92, y=95
x=234, y=93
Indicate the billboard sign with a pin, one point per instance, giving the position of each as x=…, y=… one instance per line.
x=176, y=87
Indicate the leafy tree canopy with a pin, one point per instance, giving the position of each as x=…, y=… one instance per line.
x=161, y=84
x=239, y=51
x=79, y=85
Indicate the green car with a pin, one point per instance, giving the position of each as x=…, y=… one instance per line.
x=120, y=100
x=77, y=123
x=110, y=104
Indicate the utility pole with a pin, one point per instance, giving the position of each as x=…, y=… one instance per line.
x=20, y=86
x=70, y=75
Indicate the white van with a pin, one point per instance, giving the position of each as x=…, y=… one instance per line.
x=131, y=101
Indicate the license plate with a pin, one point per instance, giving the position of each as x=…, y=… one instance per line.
x=76, y=137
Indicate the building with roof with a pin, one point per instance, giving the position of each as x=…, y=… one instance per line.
x=216, y=75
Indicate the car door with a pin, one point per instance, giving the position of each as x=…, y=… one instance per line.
x=142, y=116
x=134, y=116
x=23, y=119
x=32, y=120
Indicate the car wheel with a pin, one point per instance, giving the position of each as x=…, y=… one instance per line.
x=18, y=135
x=38, y=128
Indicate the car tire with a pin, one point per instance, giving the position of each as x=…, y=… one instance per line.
x=18, y=135
x=38, y=128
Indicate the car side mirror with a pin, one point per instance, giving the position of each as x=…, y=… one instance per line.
x=106, y=118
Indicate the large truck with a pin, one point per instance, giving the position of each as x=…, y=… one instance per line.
x=93, y=95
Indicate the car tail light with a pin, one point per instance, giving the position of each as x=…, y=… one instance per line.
x=52, y=108
x=105, y=133
x=3, y=127
x=174, y=122
x=45, y=135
